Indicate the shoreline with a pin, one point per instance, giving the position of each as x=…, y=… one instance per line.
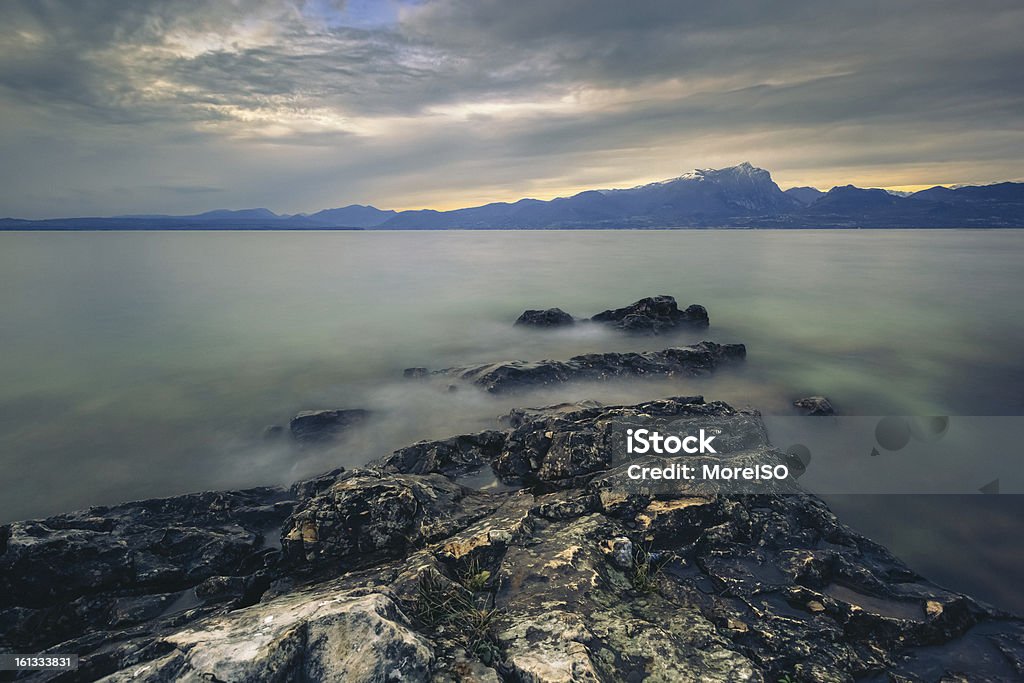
x=569, y=568
x=385, y=550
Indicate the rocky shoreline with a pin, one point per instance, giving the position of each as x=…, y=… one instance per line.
x=400, y=571
x=681, y=361
x=653, y=315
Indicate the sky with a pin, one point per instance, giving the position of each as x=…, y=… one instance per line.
x=114, y=107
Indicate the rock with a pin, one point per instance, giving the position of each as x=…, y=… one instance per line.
x=415, y=372
x=303, y=490
x=368, y=516
x=559, y=446
x=312, y=426
x=356, y=636
x=736, y=625
x=815, y=405
x=619, y=551
x=551, y=317
x=273, y=432
x=217, y=588
x=684, y=361
x=568, y=617
x=452, y=457
x=385, y=575
x=517, y=416
x=65, y=573
x=654, y=315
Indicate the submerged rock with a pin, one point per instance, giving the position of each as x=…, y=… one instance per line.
x=654, y=315
x=551, y=317
x=815, y=405
x=311, y=426
x=684, y=361
x=271, y=432
x=586, y=576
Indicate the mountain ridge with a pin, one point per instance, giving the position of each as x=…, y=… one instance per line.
x=738, y=196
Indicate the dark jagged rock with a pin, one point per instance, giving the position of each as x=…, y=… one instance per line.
x=368, y=515
x=815, y=405
x=65, y=575
x=517, y=416
x=551, y=317
x=452, y=457
x=555, y=448
x=654, y=315
x=302, y=490
x=312, y=426
x=586, y=576
x=684, y=361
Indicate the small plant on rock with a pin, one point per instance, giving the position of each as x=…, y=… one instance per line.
x=647, y=568
x=474, y=578
x=454, y=607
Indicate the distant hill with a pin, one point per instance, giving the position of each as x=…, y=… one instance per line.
x=700, y=198
x=354, y=215
x=738, y=196
x=805, y=195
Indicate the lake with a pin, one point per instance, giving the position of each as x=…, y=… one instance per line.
x=148, y=364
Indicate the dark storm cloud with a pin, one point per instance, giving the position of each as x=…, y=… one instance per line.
x=299, y=105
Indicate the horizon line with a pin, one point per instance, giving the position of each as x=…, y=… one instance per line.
x=904, y=188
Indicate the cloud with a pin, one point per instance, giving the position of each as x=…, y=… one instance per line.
x=306, y=104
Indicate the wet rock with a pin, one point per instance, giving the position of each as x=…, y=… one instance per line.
x=303, y=490
x=815, y=405
x=619, y=551
x=359, y=636
x=517, y=416
x=572, y=616
x=218, y=588
x=487, y=539
x=551, y=317
x=528, y=585
x=367, y=515
x=65, y=574
x=654, y=315
x=452, y=457
x=312, y=426
x=561, y=447
x=684, y=361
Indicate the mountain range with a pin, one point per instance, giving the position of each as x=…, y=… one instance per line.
x=738, y=196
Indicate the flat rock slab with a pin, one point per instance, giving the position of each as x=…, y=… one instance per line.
x=309, y=636
x=683, y=361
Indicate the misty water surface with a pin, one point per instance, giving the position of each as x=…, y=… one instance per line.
x=149, y=364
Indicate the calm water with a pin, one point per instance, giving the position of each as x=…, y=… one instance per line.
x=148, y=364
